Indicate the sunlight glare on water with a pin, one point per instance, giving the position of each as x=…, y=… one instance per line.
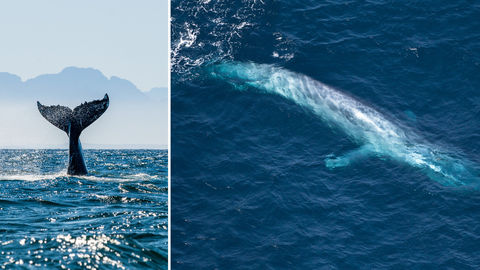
x=115, y=217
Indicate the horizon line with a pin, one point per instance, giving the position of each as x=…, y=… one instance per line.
x=85, y=147
x=23, y=80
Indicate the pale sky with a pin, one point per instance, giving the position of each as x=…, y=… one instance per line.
x=120, y=38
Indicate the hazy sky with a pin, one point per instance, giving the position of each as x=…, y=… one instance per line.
x=127, y=39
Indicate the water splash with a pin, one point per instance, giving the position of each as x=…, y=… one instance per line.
x=206, y=31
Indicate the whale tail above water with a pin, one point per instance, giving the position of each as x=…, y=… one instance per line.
x=73, y=122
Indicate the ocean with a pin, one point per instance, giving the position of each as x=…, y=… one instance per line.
x=113, y=218
x=252, y=186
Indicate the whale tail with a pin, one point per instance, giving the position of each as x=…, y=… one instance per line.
x=77, y=119
x=73, y=122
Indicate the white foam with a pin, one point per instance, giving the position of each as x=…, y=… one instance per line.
x=32, y=177
x=41, y=177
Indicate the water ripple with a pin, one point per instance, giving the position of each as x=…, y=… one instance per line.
x=116, y=217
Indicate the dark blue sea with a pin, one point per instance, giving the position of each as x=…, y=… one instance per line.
x=113, y=218
x=250, y=185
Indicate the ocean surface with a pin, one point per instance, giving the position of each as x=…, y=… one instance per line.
x=250, y=185
x=113, y=218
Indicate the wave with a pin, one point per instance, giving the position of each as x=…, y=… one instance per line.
x=64, y=175
x=32, y=177
x=208, y=31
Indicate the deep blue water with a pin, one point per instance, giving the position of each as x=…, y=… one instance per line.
x=113, y=218
x=250, y=189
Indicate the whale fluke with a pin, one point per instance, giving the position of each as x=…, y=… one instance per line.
x=88, y=112
x=73, y=123
x=58, y=116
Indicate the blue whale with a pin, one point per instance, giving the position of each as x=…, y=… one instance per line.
x=370, y=130
x=73, y=122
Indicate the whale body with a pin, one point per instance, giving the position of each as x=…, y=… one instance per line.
x=73, y=122
x=365, y=126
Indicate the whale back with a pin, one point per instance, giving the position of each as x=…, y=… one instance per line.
x=362, y=123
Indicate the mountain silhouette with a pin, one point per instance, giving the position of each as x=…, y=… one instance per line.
x=133, y=118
